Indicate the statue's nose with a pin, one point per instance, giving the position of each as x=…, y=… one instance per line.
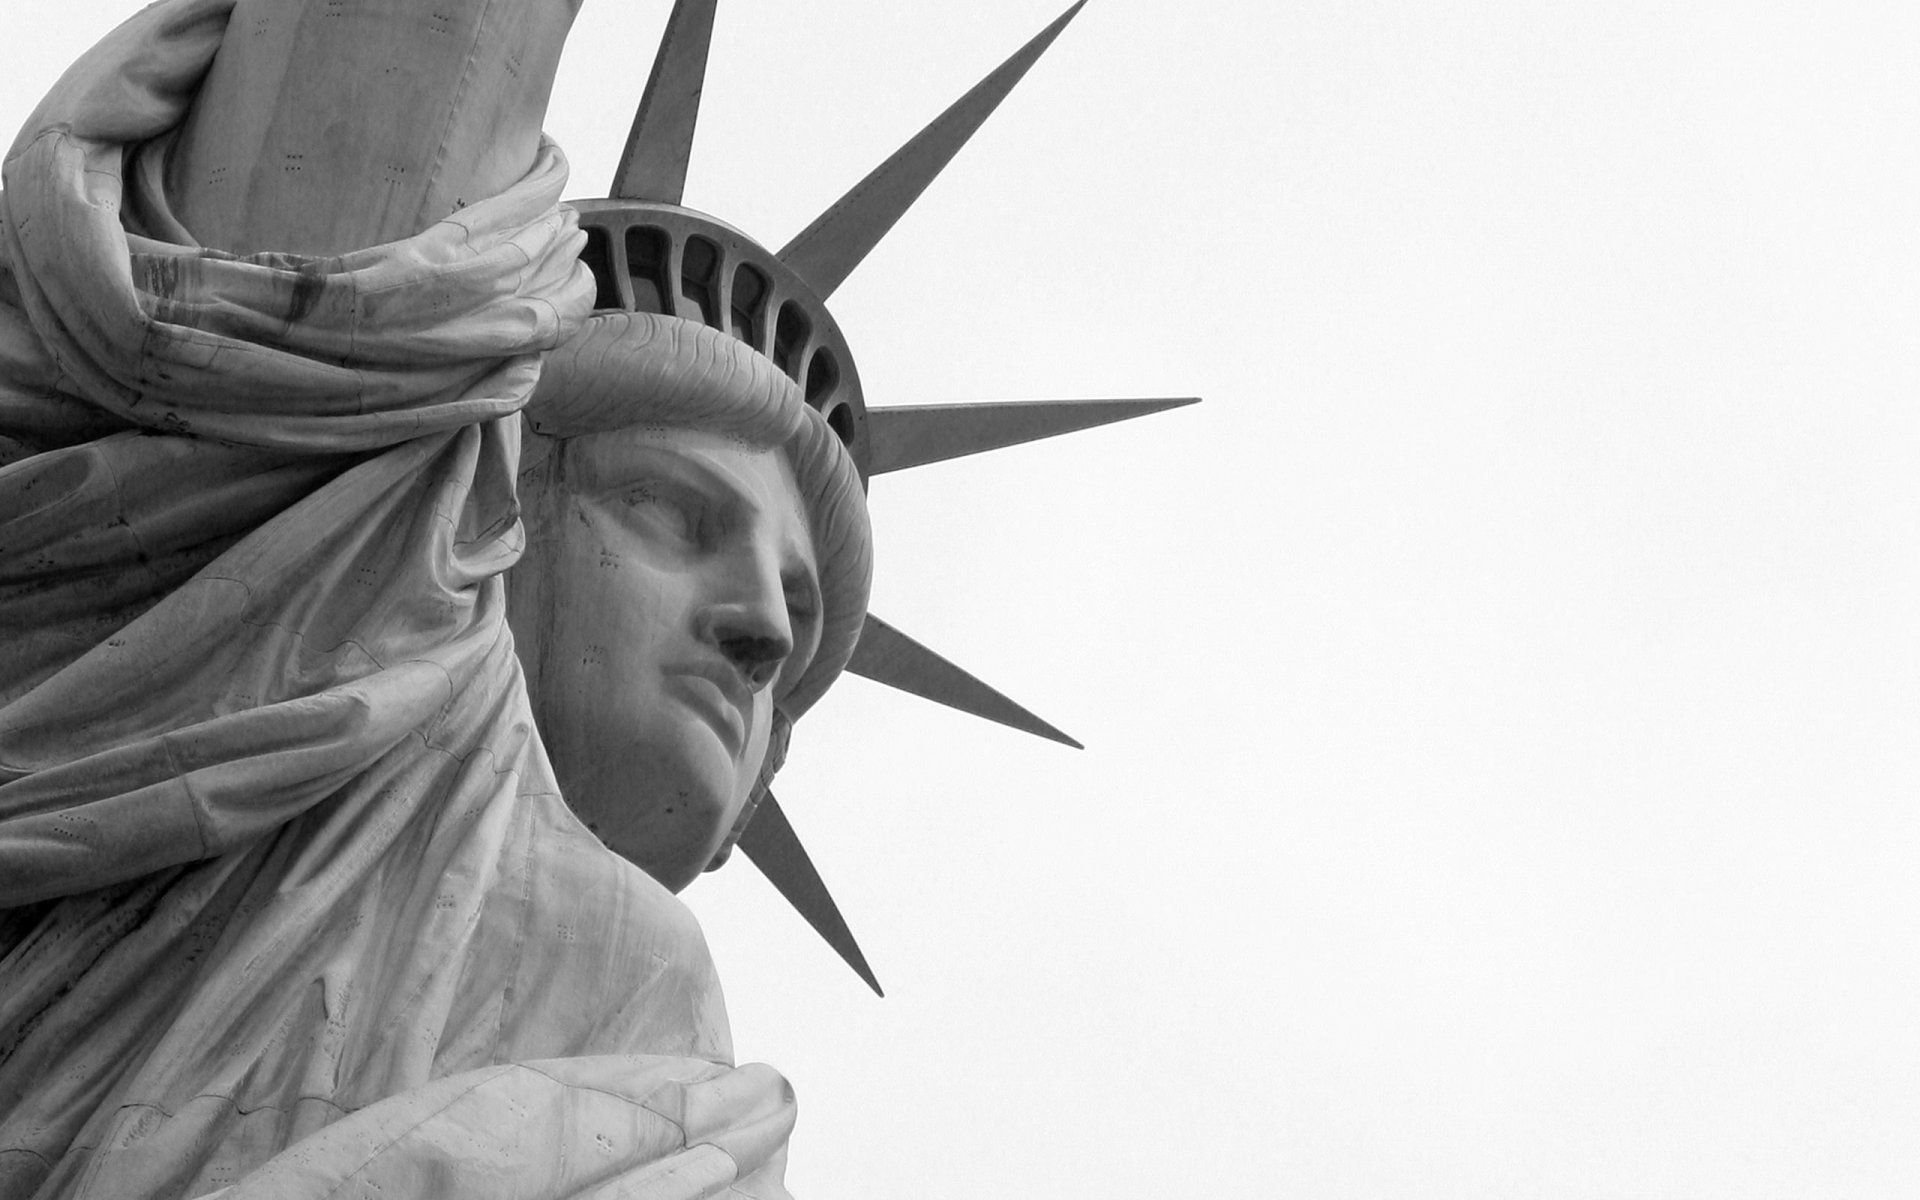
x=748, y=620
x=757, y=659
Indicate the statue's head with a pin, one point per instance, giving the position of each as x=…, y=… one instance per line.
x=696, y=457
x=696, y=575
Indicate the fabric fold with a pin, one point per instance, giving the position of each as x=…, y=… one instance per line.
x=338, y=353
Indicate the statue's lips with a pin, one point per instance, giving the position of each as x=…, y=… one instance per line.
x=718, y=694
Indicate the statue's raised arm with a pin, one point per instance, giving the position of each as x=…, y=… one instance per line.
x=327, y=127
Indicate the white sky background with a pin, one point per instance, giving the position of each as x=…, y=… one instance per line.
x=1499, y=696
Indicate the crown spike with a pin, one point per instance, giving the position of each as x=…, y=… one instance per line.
x=915, y=435
x=654, y=164
x=885, y=655
x=770, y=843
x=828, y=250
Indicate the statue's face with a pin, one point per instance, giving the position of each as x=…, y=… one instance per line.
x=674, y=593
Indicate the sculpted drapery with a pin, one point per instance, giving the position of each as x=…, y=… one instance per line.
x=289, y=905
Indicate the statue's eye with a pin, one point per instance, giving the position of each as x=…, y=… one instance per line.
x=803, y=617
x=665, y=510
x=800, y=605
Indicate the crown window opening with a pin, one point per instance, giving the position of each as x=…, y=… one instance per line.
x=700, y=281
x=598, y=255
x=647, y=251
x=791, y=333
x=822, y=376
x=840, y=420
x=748, y=300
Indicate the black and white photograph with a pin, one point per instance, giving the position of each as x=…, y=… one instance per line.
x=716, y=598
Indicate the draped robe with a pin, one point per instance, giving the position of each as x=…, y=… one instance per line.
x=289, y=903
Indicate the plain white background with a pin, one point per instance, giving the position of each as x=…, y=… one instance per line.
x=1499, y=696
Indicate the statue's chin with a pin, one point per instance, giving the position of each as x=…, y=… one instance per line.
x=664, y=819
x=671, y=867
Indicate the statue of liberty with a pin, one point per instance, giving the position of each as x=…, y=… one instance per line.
x=407, y=584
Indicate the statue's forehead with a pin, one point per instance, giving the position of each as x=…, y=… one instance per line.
x=725, y=468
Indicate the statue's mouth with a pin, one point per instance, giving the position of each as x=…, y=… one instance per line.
x=719, y=694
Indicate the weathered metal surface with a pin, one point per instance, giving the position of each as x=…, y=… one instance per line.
x=915, y=435
x=827, y=251
x=885, y=655
x=653, y=166
x=770, y=843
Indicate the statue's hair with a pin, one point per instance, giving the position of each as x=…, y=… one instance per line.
x=626, y=370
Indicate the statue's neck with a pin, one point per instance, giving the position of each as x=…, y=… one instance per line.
x=328, y=125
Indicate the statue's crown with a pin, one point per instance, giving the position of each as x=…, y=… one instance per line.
x=653, y=257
